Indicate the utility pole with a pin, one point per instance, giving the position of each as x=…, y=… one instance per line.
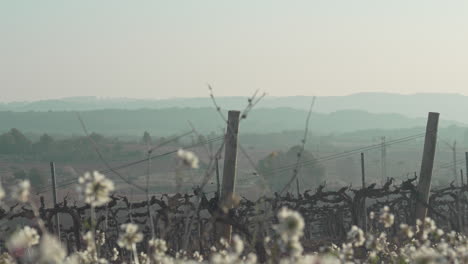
x=424, y=184
x=54, y=196
x=230, y=165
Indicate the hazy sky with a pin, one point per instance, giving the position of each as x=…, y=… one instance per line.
x=113, y=48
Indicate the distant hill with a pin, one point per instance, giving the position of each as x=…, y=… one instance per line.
x=451, y=106
x=167, y=121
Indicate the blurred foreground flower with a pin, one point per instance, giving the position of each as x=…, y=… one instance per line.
x=52, y=251
x=188, y=158
x=22, y=239
x=20, y=192
x=95, y=188
x=386, y=218
x=131, y=236
x=356, y=236
x=290, y=224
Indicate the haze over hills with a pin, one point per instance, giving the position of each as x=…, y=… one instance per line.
x=451, y=106
x=167, y=121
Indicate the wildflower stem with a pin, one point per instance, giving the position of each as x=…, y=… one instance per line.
x=135, y=254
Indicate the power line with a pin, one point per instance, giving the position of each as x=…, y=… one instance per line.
x=72, y=181
x=161, y=155
x=346, y=153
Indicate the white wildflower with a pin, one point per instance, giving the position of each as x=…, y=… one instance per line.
x=294, y=248
x=347, y=251
x=406, y=230
x=429, y=225
x=23, y=238
x=197, y=256
x=144, y=258
x=157, y=248
x=20, y=192
x=356, y=236
x=115, y=254
x=131, y=236
x=237, y=244
x=95, y=188
x=290, y=224
x=251, y=258
x=386, y=218
x=6, y=258
x=439, y=232
x=90, y=254
x=188, y=158
x=52, y=251
x=88, y=237
x=381, y=242
x=73, y=259
x=100, y=237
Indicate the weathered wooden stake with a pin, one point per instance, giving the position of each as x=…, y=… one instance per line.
x=364, y=209
x=424, y=184
x=466, y=162
x=454, y=168
x=461, y=177
x=54, y=196
x=229, y=170
x=297, y=187
x=218, y=184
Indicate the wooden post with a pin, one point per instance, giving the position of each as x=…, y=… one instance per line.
x=229, y=170
x=297, y=186
x=466, y=163
x=54, y=196
x=424, y=184
x=218, y=186
x=364, y=209
x=363, y=171
x=454, y=156
x=461, y=178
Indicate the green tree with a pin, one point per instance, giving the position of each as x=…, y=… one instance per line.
x=278, y=168
x=20, y=174
x=44, y=145
x=14, y=142
x=37, y=177
x=146, y=139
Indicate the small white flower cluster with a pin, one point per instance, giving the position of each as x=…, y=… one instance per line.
x=52, y=251
x=89, y=255
x=231, y=253
x=433, y=246
x=422, y=243
x=386, y=218
x=356, y=236
x=290, y=224
x=290, y=228
x=23, y=239
x=157, y=249
x=20, y=192
x=188, y=158
x=95, y=188
x=130, y=237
